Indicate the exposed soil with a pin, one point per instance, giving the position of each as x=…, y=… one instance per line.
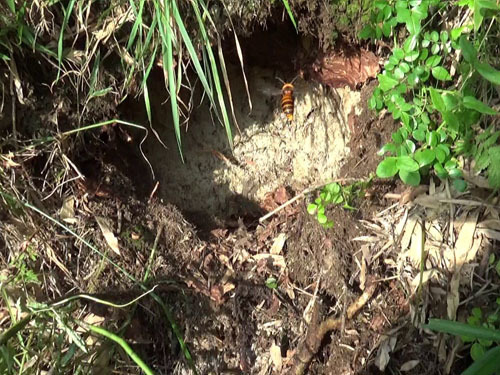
x=211, y=257
x=216, y=286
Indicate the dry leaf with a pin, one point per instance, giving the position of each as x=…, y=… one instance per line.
x=491, y=234
x=453, y=297
x=417, y=245
x=275, y=352
x=408, y=232
x=278, y=244
x=67, y=213
x=465, y=239
x=385, y=348
x=110, y=238
x=410, y=365
x=425, y=277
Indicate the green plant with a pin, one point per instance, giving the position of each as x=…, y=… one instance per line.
x=439, y=113
x=177, y=37
x=336, y=194
x=483, y=333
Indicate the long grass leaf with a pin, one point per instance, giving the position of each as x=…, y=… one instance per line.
x=226, y=81
x=240, y=55
x=463, y=329
x=120, y=341
x=290, y=14
x=215, y=73
x=192, y=54
x=164, y=24
x=67, y=15
x=488, y=364
x=135, y=27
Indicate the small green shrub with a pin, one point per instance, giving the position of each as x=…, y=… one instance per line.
x=439, y=112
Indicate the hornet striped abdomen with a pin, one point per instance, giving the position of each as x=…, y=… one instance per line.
x=287, y=100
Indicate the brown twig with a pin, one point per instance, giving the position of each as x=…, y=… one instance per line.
x=315, y=333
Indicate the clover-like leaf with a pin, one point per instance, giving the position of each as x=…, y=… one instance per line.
x=387, y=167
x=441, y=73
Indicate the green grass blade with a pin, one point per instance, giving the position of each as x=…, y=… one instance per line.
x=193, y=54
x=213, y=66
x=488, y=364
x=12, y=6
x=120, y=341
x=290, y=14
x=164, y=25
x=67, y=14
x=147, y=103
x=137, y=24
x=462, y=329
x=226, y=81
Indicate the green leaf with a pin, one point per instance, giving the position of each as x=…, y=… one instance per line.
x=451, y=120
x=494, y=167
x=450, y=101
x=367, y=32
x=468, y=50
x=441, y=73
x=410, y=146
x=397, y=138
x=290, y=14
x=460, y=185
x=462, y=329
x=455, y=173
x=419, y=135
x=437, y=100
x=435, y=49
x=407, y=163
x=389, y=147
x=333, y=188
x=487, y=365
x=387, y=167
x=399, y=53
x=412, y=56
x=433, y=61
x=489, y=73
x=425, y=157
x=444, y=36
x=432, y=138
x=410, y=178
x=440, y=171
x=477, y=351
x=434, y=36
x=312, y=208
x=271, y=283
x=473, y=103
x=322, y=219
x=386, y=83
x=405, y=68
x=398, y=73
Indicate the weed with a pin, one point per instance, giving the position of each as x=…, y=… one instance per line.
x=433, y=94
x=336, y=194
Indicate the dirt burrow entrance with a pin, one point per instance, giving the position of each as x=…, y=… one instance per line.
x=269, y=152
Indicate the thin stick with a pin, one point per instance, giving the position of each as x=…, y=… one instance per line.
x=307, y=191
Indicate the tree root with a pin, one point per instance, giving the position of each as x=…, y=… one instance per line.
x=308, y=348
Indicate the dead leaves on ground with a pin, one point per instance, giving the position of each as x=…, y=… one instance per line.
x=435, y=244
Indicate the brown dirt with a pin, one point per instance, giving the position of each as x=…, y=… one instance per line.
x=215, y=286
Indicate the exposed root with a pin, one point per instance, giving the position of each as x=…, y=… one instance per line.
x=315, y=333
